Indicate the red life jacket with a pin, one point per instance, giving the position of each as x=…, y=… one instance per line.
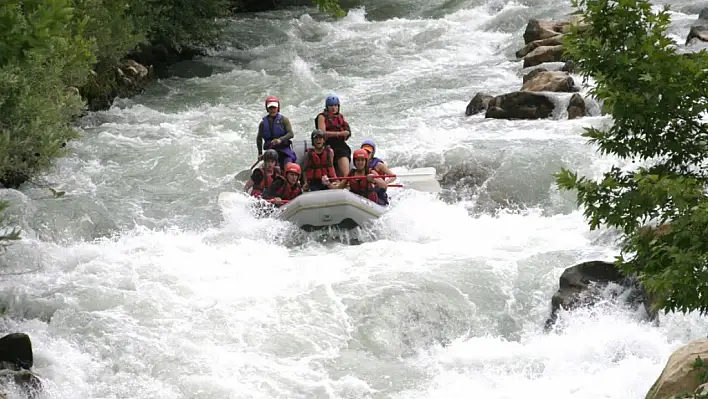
x=318, y=164
x=333, y=123
x=258, y=189
x=286, y=191
x=363, y=187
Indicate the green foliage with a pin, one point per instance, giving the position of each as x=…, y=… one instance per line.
x=53, y=50
x=656, y=98
x=45, y=56
x=330, y=6
x=179, y=23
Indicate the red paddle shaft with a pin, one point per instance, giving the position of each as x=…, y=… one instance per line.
x=361, y=177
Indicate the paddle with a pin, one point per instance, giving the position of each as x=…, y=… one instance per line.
x=246, y=174
x=421, y=179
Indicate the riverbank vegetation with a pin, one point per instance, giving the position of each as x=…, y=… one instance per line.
x=59, y=58
x=656, y=97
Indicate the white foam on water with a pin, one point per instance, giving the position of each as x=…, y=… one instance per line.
x=166, y=295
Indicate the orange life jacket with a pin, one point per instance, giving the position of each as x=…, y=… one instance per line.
x=318, y=163
x=363, y=187
x=266, y=182
x=286, y=191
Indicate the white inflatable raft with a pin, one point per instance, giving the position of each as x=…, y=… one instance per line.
x=337, y=208
x=330, y=208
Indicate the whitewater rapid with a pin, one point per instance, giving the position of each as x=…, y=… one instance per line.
x=146, y=289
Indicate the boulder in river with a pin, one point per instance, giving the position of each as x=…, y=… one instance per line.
x=679, y=375
x=542, y=80
x=576, y=107
x=549, y=41
x=543, y=54
x=16, y=359
x=540, y=29
x=479, y=103
x=699, y=29
x=520, y=105
x=582, y=285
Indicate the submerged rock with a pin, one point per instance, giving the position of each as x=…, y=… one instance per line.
x=520, y=105
x=16, y=359
x=581, y=285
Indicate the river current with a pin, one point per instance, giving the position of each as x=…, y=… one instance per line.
x=140, y=286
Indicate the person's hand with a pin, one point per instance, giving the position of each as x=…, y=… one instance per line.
x=370, y=177
x=325, y=180
x=278, y=201
x=275, y=142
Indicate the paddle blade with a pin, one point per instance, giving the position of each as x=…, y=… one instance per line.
x=243, y=175
x=428, y=186
x=419, y=174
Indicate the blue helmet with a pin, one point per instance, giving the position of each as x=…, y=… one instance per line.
x=371, y=144
x=332, y=100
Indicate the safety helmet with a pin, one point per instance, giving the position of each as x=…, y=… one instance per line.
x=332, y=100
x=315, y=134
x=360, y=153
x=270, y=155
x=272, y=100
x=292, y=167
x=369, y=143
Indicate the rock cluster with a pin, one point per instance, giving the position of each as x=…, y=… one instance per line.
x=544, y=88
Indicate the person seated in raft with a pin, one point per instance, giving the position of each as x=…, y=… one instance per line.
x=277, y=132
x=319, y=166
x=262, y=178
x=337, y=132
x=364, y=187
x=285, y=188
x=380, y=167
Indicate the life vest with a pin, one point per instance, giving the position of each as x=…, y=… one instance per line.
x=318, y=163
x=373, y=162
x=381, y=192
x=363, y=187
x=333, y=123
x=286, y=191
x=277, y=131
x=267, y=181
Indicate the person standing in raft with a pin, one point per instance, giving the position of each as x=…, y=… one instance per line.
x=277, y=132
x=319, y=166
x=380, y=167
x=262, y=178
x=364, y=187
x=337, y=132
x=285, y=188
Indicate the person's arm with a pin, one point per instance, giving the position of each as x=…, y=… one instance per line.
x=331, y=173
x=259, y=139
x=305, y=167
x=382, y=169
x=256, y=178
x=289, y=134
x=328, y=134
x=378, y=182
x=348, y=130
x=342, y=184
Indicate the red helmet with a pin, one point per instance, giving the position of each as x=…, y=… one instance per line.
x=361, y=153
x=292, y=167
x=272, y=99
